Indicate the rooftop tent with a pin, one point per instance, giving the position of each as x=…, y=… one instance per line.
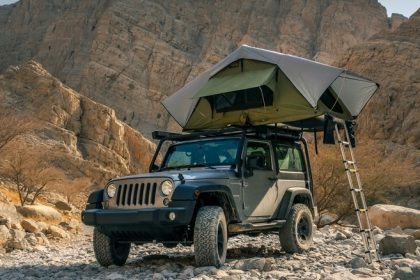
x=256, y=86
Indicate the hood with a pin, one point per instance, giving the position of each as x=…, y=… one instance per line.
x=188, y=174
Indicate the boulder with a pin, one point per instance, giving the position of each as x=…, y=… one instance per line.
x=8, y=210
x=72, y=226
x=17, y=241
x=413, y=232
x=4, y=234
x=40, y=212
x=395, y=243
x=29, y=225
x=388, y=216
x=62, y=205
x=407, y=273
x=57, y=232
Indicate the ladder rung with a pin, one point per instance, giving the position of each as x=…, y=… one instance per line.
x=370, y=251
x=356, y=190
x=366, y=230
x=361, y=210
x=352, y=170
x=349, y=161
x=345, y=143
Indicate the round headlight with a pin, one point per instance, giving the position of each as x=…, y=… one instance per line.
x=111, y=190
x=166, y=187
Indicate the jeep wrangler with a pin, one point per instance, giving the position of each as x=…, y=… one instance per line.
x=209, y=186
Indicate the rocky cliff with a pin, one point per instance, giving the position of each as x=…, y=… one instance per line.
x=81, y=138
x=129, y=55
x=393, y=115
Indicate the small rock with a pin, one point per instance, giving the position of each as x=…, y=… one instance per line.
x=340, y=236
x=62, y=205
x=17, y=226
x=29, y=225
x=6, y=222
x=358, y=262
x=41, y=238
x=57, y=232
x=254, y=263
x=219, y=273
x=32, y=240
x=394, y=243
x=278, y=274
x=157, y=276
x=116, y=276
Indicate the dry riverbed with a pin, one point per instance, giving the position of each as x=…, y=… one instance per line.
x=335, y=255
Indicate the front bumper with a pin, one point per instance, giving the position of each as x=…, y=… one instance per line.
x=149, y=216
x=145, y=224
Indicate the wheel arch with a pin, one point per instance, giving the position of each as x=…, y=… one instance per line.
x=293, y=196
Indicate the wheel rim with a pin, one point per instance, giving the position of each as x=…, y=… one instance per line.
x=303, y=229
x=220, y=240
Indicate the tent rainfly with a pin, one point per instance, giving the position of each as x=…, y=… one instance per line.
x=253, y=86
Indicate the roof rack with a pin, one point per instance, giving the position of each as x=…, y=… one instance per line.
x=263, y=131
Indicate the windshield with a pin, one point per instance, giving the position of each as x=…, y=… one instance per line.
x=202, y=153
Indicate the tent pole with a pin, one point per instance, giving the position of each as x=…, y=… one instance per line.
x=316, y=142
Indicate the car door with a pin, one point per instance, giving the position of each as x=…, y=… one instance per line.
x=260, y=192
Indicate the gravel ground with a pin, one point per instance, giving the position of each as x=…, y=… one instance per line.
x=334, y=255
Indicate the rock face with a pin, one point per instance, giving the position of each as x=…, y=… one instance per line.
x=84, y=139
x=388, y=216
x=129, y=55
x=393, y=114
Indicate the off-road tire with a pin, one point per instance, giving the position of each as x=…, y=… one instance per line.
x=297, y=234
x=210, y=236
x=109, y=251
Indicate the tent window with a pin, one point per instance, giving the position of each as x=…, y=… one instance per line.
x=242, y=99
x=331, y=102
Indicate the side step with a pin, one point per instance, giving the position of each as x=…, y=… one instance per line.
x=239, y=228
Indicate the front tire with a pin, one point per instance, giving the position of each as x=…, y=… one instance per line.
x=210, y=237
x=108, y=251
x=297, y=234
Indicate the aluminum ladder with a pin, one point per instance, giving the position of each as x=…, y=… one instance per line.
x=357, y=194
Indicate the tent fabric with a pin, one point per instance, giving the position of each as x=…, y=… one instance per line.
x=301, y=88
x=237, y=82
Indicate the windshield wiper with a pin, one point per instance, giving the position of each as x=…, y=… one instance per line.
x=189, y=166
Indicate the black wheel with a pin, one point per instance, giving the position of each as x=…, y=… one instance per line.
x=109, y=251
x=210, y=236
x=296, y=235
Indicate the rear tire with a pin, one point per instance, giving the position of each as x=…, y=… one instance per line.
x=297, y=234
x=109, y=251
x=210, y=237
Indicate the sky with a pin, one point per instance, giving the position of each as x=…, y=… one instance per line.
x=405, y=7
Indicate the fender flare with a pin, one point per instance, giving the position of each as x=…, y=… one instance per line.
x=193, y=192
x=95, y=199
x=302, y=194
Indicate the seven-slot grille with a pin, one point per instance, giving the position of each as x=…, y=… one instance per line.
x=137, y=193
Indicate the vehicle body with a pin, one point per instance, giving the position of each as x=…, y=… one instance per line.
x=209, y=186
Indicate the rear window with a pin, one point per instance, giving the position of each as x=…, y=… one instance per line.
x=289, y=158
